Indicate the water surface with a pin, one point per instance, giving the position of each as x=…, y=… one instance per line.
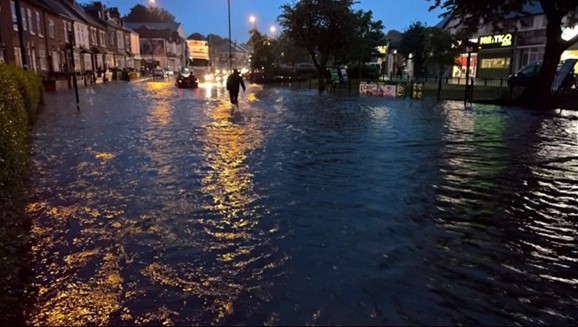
x=154, y=205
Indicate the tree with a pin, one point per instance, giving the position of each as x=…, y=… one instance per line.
x=263, y=56
x=559, y=13
x=439, y=49
x=361, y=45
x=140, y=13
x=196, y=36
x=327, y=28
x=287, y=52
x=413, y=42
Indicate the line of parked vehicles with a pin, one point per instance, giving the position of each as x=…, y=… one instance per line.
x=185, y=78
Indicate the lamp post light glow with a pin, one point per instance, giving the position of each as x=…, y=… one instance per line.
x=253, y=20
x=273, y=29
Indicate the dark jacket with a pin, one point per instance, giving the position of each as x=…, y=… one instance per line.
x=234, y=81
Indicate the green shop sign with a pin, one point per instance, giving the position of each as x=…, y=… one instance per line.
x=496, y=41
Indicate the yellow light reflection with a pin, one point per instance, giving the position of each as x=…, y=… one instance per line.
x=160, y=109
x=66, y=296
x=235, y=239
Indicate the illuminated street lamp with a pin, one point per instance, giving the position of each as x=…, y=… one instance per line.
x=273, y=29
x=151, y=3
x=253, y=20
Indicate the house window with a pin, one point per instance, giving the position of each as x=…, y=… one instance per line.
x=530, y=55
x=18, y=56
x=527, y=23
x=42, y=57
x=30, y=22
x=65, y=31
x=23, y=16
x=38, y=25
x=51, y=28
x=56, y=61
x=14, y=17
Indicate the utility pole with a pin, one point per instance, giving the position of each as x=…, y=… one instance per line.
x=74, y=82
x=20, y=33
x=230, y=51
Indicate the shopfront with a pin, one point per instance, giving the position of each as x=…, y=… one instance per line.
x=495, y=55
x=461, y=66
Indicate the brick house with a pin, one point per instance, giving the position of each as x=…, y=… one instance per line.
x=34, y=52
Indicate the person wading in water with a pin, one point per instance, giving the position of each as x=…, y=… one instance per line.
x=234, y=81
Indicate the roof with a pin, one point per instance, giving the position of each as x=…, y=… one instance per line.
x=58, y=8
x=173, y=27
x=78, y=12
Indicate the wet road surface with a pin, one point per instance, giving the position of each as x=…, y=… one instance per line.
x=154, y=205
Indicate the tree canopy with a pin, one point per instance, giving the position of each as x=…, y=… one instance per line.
x=412, y=42
x=559, y=13
x=331, y=29
x=140, y=13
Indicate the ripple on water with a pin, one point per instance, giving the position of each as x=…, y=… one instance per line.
x=156, y=205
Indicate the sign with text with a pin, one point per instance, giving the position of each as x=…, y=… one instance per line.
x=382, y=89
x=496, y=41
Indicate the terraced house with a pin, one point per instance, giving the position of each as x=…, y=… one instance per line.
x=37, y=35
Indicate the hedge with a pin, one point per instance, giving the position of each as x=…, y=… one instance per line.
x=20, y=101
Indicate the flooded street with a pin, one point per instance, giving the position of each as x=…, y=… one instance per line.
x=154, y=205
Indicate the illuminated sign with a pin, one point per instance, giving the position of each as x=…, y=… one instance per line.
x=198, y=49
x=569, y=32
x=498, y=40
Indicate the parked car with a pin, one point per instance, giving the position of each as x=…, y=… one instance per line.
x=169, y=72
x=187, y=79
x=159, y=73
x=530, y=73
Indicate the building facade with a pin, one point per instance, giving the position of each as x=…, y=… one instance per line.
x=522, y=40
x=56, y=37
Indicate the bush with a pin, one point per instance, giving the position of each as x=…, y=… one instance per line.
x=20, y=101
x=14, y=120
x=132, y=75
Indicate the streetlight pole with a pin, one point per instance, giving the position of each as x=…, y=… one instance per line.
x=74, y=82
x=230, y=45
x=467, y=96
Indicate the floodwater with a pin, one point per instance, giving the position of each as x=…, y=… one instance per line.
x=154, y=205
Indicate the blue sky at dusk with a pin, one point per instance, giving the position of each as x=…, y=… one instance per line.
x=210, y=16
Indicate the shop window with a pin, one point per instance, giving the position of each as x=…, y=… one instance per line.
x=495, y=63
x=531, y=55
